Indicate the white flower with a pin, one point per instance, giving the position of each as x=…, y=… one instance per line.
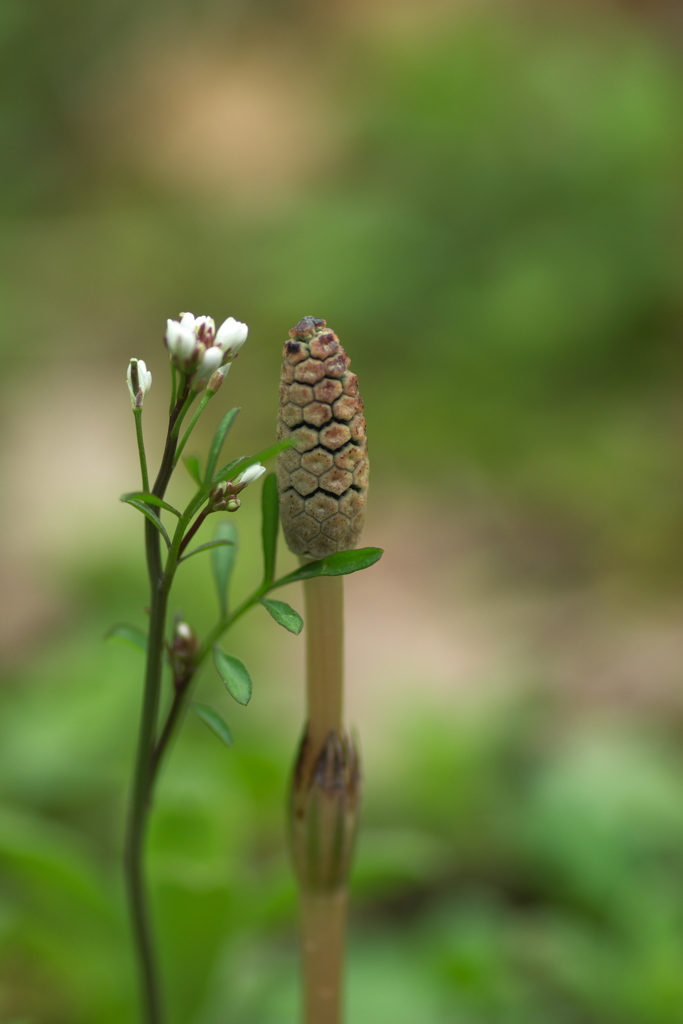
x=231, y=335
x=204, y=328
x=250, y=475
x=210, y=361
x=181, y=340
x=139, y=381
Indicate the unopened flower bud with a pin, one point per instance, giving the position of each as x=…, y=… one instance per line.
x=232, y=504
x=217, y=379
x=181, y=342
x=183, y=648
x=221, y=495
x=249, y=475
x=210, y=361
x=230, y=337
x=139, y=381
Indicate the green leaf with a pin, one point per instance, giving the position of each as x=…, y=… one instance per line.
x=223, y=560
x=340, y=564
x=152, y=516
x=150, y=499
x=214, y=721
x=204, y=547
x=193, y=467
x=270, y=511
x=234, y=674
x=132, y=635
x=284, y=614
x=217, y=443
x=230, y=471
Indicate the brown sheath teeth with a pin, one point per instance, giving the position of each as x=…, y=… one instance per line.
x=323, y=479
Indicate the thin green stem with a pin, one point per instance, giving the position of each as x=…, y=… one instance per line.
x=141, y=449
x=174, y=388
x=193, y=529
x=139, y=810
x=180, y=696
x=143, y=779
x=172, y=721
x=186, y=398
x=229, y=620
x=200, y=409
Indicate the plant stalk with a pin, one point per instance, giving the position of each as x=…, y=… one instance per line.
x=141, y=449
x=323, y=927
x=139, y=810
x=324, y=618
x=318, y=802
x=206, y=398
x=170, y=725
x=143, y=778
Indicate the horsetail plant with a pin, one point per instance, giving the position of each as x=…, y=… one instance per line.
x=323, y=483
x=200, y=358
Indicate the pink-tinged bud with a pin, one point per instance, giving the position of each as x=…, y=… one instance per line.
x=139, y=381
x=221, y=495
x=182, y=651
x=217, y=379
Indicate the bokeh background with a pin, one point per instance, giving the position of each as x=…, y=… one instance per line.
x=483, y=200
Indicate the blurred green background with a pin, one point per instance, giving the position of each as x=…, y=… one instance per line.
x=483, y=200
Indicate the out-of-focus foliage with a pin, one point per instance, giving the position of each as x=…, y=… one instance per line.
x=494, y=230
x=509, y=869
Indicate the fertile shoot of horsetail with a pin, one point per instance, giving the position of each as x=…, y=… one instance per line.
x=322, y=481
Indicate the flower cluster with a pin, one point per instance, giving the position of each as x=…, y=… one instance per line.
x=199, y=350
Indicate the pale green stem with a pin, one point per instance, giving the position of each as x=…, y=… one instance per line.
x=208, y=395
x=141, y=797
x=323, y=913
x=174, y=388
x=229, y=620
x=181, y=416
x=141, y=449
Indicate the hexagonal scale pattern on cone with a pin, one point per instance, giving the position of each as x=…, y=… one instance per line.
x=323, y=479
